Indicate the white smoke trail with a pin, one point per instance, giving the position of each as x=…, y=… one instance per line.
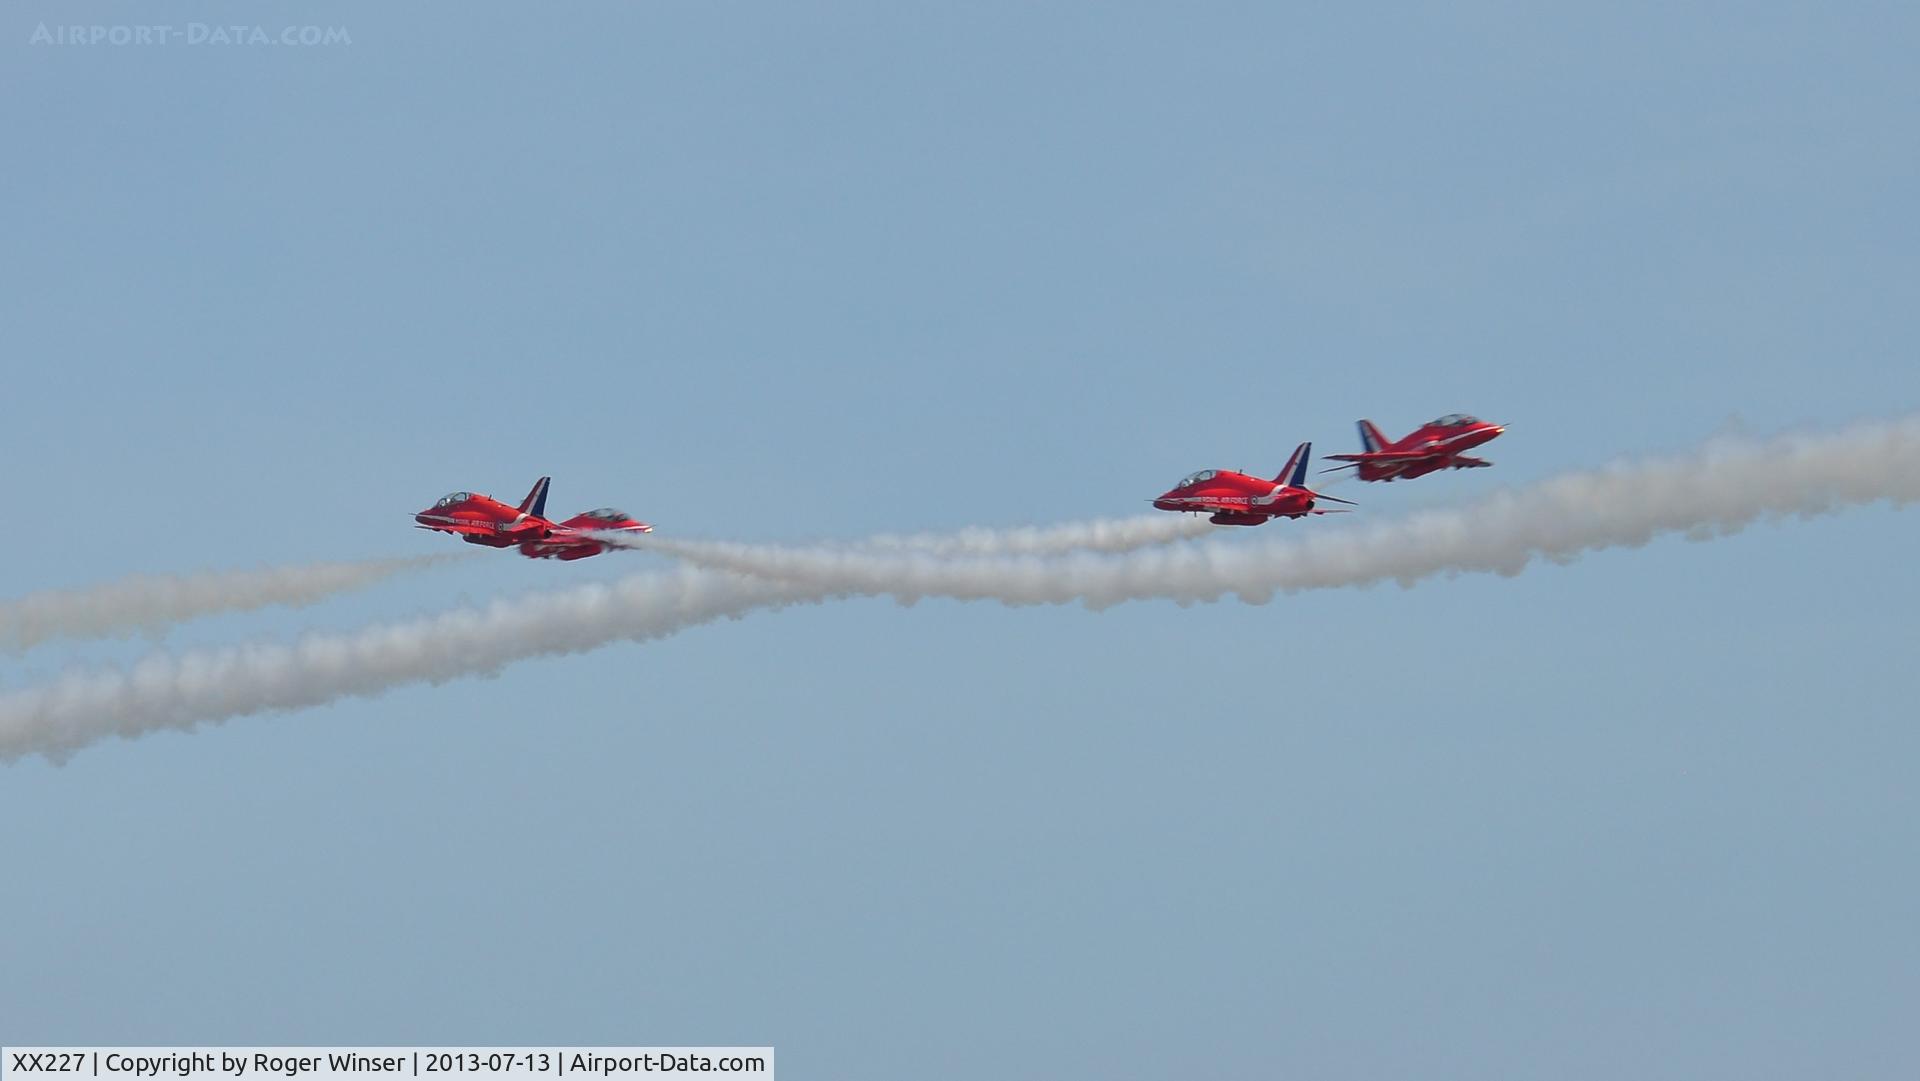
x=1717, y=490
x=149, y=603
x=1103, y=535
x=184, y=690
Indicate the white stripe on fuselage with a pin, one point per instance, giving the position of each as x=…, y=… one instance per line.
x=1435, y=445
x=1240, y=500
x=498, y=527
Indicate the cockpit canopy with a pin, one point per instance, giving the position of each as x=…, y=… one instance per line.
x=1197, y=478
x=1455, y=420
x=608, y=514
x=456, y=497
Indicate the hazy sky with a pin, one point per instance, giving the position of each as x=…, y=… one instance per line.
x=786, y=272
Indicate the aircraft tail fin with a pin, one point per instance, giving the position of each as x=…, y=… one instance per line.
x=1295, y=474
x=536, y=501
x=1370, y=437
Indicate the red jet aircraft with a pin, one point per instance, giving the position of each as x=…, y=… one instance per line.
x=1237, y=499
x=1435, y=446
x=481, y=519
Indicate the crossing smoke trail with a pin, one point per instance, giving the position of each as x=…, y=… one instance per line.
x=1095, y=535
x=152, y=602
x=205, y=686
x=1717, y=490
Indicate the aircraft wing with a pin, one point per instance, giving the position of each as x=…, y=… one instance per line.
x=1304, y=513
x=1388, y=456
x=568, y=535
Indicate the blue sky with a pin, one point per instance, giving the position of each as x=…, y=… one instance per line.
x=790, y=272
